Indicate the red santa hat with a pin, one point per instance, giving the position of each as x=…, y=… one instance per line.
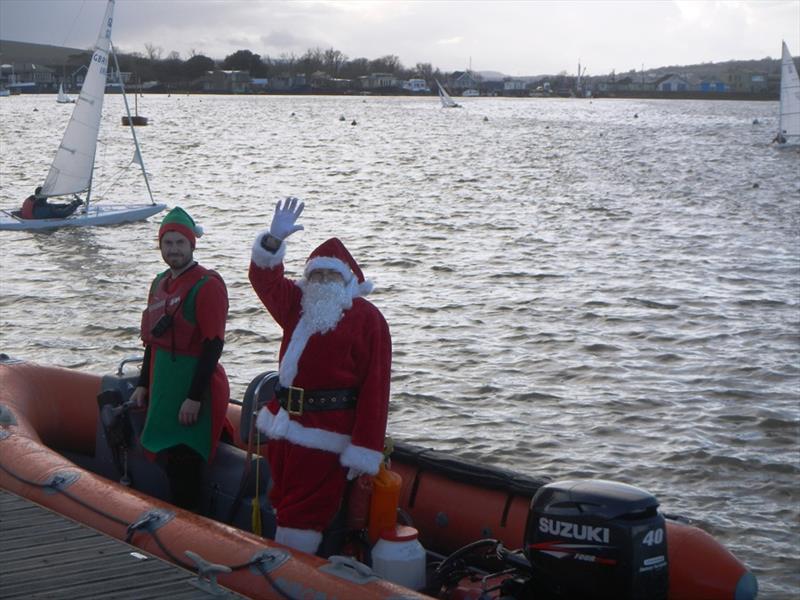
x=332, y=254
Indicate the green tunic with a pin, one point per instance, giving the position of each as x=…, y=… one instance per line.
x=171, y=375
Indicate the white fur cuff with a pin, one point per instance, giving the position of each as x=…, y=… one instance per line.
x=280, y=426
x=305, y=540
x=264, y=258
x=273, y=426
x=362, y=459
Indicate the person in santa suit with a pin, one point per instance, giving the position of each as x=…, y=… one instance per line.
x=327, y=420
x=182, y=382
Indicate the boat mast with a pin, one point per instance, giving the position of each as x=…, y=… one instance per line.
x=783, y=94
x=89, y=188
x=130, y=122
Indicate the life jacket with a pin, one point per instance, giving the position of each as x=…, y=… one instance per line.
x=178, y=304
x=27, y=207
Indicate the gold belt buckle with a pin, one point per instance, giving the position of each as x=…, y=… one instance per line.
x=298, y=399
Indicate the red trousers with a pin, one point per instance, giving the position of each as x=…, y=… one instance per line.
x=308, y=485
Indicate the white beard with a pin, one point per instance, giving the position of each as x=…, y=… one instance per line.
x=324, y=304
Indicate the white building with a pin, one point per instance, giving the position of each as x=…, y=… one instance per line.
x=416, y=86
x=514, y=85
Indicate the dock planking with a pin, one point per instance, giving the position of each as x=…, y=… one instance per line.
x=44, y=555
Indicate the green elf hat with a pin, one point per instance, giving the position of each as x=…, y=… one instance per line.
x=179, y=220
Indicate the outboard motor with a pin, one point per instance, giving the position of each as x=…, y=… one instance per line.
x=597, y=539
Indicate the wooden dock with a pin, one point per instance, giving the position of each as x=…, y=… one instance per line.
x=46, y=556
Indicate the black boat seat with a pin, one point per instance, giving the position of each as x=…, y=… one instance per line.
x=232, y=482
x=257, y=394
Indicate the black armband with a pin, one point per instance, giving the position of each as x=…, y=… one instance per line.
x=206, y=363
x=144, y=374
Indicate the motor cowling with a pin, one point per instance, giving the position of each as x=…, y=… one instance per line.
x=597, y=539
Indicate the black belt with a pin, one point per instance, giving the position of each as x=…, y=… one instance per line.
x=296, y=400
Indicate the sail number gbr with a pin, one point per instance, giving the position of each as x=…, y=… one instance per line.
x=101, y=58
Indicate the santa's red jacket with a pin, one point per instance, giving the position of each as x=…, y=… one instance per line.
x=355, y=354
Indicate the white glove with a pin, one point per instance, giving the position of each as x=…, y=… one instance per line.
x=283, y=221
x=353, y=474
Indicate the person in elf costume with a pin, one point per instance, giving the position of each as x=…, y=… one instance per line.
x=327, y=420
x=182, y=382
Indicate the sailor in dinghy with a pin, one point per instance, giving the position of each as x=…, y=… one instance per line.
x=36, y=206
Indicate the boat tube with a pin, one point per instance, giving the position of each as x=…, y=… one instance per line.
x=68, y=441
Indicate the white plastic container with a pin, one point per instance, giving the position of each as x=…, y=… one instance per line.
x=399, y=557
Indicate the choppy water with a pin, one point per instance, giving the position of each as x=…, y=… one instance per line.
x=593, y=289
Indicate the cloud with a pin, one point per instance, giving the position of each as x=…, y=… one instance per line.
x=281, y=39
x=516, y=37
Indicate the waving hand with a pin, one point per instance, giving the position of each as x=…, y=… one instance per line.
x=284, y=221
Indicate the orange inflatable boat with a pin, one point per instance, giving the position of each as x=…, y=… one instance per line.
x=69, y=443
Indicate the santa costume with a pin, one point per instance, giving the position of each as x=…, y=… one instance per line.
x=342, y=370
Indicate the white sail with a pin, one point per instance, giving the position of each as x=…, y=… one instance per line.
x=789, y=127
x=444, y=97
x=63, y=98
x=71, y=171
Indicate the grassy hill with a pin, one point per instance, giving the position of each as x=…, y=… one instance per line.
x=40, y=54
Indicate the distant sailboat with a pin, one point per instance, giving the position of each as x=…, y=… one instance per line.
x=789, y=123
x=62, y=97
x=73, y=166
x=444, y=97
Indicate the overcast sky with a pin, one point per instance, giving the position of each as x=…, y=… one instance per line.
x=516, y=38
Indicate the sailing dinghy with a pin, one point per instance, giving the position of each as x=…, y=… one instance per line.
x=444, y=97
x=73, y=165
x=62, y=97
x=789, y=123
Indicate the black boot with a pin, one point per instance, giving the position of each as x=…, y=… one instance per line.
x=185, y=473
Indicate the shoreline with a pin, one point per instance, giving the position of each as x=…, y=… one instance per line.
x=395, y=93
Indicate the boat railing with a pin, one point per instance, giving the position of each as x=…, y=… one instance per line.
x=127, y=360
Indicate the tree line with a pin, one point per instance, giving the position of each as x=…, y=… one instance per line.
x=172, y=69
